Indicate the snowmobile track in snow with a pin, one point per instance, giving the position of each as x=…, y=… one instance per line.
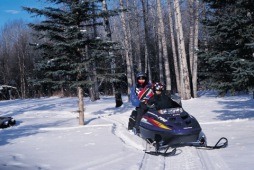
x=153, y=162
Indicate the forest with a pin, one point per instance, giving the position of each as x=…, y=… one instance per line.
x=99, y=45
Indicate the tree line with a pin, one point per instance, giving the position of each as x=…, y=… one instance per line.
x=99, y=45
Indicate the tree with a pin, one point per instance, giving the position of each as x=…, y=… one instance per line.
x=118, y=97
x=128, y=54
x=185, y=81
x=229, y=60
x=15, y=56
x=72, y=47
x=193, y=43
x=163, y=44
x=195, y=56
x=175, y=56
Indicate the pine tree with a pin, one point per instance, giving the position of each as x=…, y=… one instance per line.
x=228, y=62
x=74, y=56
x=72, y=52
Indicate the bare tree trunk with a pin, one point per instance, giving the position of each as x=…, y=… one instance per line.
x=163, y=42
x=147, y=67
x=137, y=37
x=205, y=30
x=94, y=78
x=191, y=36
x=81, y=106
x=129, y=37
x=160, y=54
x=118, y=96
x=173, y=47
x=127, y=52
x=145, y=10
x=21, y=63
x=191, y=42
x=195, y=59
x=179, y=55
x=185, y=87
x=95, y=83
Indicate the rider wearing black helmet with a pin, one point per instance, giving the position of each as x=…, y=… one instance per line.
x=160, y=100
x=140, y=93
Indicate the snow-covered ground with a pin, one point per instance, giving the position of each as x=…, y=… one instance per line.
x=47, y=136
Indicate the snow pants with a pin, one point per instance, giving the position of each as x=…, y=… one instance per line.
x=136, y=116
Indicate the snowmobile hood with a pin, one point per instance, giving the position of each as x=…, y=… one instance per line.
x=171, y=119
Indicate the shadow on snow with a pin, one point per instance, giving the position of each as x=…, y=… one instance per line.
x=233, y=109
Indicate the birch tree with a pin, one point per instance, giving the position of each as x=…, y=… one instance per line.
x=191, y=34
x=129, y=37
x=185, y=81
x=195, y=57
x=147, y=51
x=137, y=38
x=172, y=35
x=127, y=51
x=162, y=42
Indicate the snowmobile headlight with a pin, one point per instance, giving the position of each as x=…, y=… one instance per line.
x=6, y=123
x=163, y=111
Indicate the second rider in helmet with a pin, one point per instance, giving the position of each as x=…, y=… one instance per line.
x=160, y=100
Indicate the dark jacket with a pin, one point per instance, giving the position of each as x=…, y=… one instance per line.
x=162, y=101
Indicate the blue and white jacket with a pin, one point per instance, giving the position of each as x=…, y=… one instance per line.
x=141, y=94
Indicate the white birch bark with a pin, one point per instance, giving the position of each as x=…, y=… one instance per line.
x=145, y=13
x=191, y=34
x=81, y=106
x=185, y=91
x=126, y=50
x=195, y=57
x=162, y=40
x=172, y=35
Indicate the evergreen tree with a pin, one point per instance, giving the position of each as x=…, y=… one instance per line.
x=72, y=53
x=228, y=62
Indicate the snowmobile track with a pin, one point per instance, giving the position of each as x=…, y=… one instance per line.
x=210, y=160
x=153, y=162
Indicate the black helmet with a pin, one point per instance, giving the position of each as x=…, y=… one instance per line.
x=141, y=74
x=158, y=87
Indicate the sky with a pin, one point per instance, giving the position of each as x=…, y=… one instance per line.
x=12, y=10
x=47, y=135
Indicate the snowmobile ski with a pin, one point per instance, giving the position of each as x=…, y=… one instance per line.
x=219, y=144
x=165, y=153
x=158, y=149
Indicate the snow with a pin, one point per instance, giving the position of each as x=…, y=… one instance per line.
x=47, y=136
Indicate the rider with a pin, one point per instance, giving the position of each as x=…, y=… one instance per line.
x=160, y=100
x=140, y=93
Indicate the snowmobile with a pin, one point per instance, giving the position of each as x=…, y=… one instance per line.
x=7, y=122
x=172, y=128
